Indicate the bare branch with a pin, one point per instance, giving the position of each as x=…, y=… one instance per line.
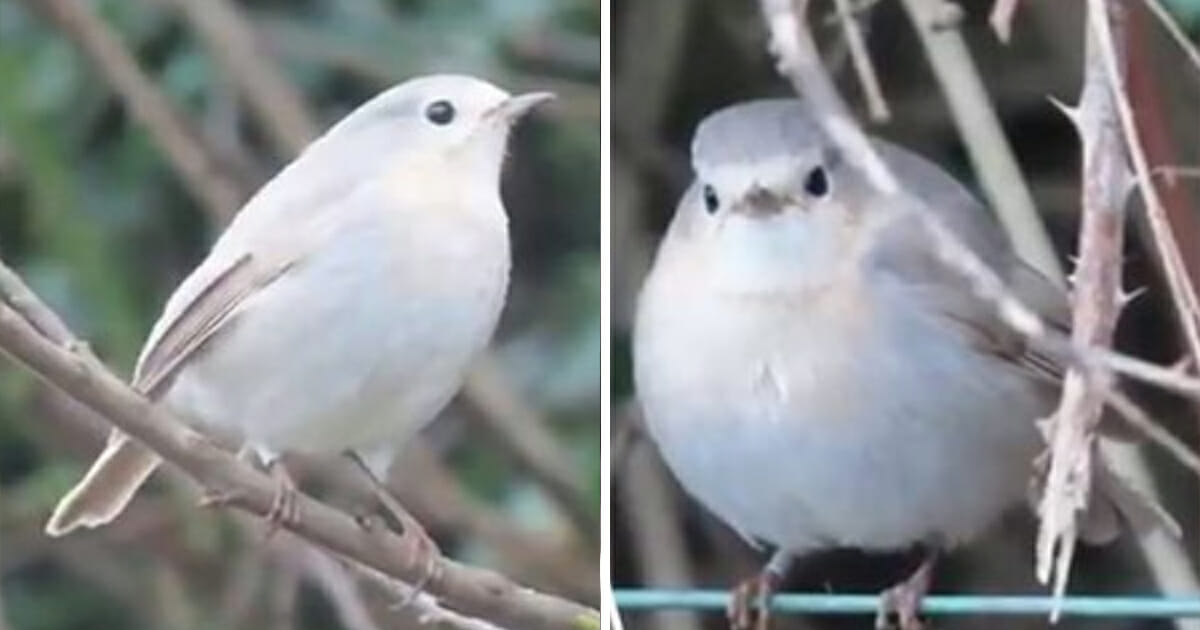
x=1001, y=18
x=797, y=60
x=1140, y=420
x=1097, y=304
x=861, y=58
x=1187, y=302
x=471, y=591
x=991, y=156
x=1174, y=31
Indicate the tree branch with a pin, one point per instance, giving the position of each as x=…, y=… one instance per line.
x=988, y=149
x=470, y=591
x=1097, y=305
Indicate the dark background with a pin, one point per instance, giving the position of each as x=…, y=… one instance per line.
x=676, y=61
x=99, y=221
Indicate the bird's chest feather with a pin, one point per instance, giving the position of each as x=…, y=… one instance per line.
x=821, y=423
x=374, y=330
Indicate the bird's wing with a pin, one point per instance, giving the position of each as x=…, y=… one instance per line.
x=916, y=263
x=205, y=310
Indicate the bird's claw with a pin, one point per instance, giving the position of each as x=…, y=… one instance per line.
x=284, y=510
x=415, y=544
x=900, y=605
x=750, y=603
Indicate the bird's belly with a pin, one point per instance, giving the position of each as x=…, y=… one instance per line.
x=368, y=359
x=812, y=440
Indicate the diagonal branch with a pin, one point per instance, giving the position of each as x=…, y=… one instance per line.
x=992, y=159
x=1183, y=293
x=470, y=591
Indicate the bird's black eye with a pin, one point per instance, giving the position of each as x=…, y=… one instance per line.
x=711, y=202
x=440, y=112
x=816, y=183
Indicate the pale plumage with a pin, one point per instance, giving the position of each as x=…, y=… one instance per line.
x=808, y=370
x=341, y=308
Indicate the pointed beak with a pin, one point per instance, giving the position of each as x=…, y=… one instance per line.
x=517, y=106
x=760, y=202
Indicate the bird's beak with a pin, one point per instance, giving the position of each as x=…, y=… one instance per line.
x=517, y=106
x=761, y=202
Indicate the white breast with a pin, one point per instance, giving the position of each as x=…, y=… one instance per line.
x=815, y=423
x=362, y=343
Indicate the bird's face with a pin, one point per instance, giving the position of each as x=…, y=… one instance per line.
x=459, y=121
x=769, y=221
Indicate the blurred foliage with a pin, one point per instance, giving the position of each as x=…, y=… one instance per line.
x=679, y=60
x=96, y=220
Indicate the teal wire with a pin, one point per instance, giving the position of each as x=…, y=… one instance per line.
x=630, y=600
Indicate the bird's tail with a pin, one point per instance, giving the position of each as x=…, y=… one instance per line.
x=106, y=489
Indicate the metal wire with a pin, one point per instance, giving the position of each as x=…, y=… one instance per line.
x=629, y=600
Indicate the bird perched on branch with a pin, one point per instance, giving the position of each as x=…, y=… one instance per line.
x=342, y=306
x=812, y=372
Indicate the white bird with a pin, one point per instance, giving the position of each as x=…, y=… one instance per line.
x=812, y=373
x=342, y=306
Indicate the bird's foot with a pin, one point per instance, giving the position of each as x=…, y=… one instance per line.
x=750, y=603
x=416, y=545
x=218, y=498
x=284, y=509
x=900, y=605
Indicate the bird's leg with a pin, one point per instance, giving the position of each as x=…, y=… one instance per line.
x=416, y=542
x=213, y=498
x=750, y=603
x=903, y=601
x=284, y=510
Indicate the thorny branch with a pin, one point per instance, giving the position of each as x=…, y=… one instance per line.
x=469, y=591
x=1097, y=305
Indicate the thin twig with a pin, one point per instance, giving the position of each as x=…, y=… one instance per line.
x=990, y=153
x=1001, y=17
x=200, y=171
x=1172, y=173
x=1173, y=29
x=1183, y=294
x=473, y=592
x=797, y=60
x=1136, y=416
x=877, y=106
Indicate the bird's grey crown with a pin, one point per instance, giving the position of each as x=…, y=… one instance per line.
x=755, y=131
